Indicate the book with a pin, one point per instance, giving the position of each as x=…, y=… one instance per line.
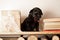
x=52, y=20
x=52, y=24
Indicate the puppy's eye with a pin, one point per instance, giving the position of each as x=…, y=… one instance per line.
x=36, y=13
x=39, y=15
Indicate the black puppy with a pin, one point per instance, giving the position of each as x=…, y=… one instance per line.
x=31, y=22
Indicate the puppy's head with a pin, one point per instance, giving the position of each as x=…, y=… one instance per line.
x=36, y=13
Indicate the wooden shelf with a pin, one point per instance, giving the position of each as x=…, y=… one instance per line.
x=15, y=34
x=42, y=32
x=28, y=33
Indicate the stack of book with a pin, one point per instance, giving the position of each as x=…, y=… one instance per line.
x=52, y=24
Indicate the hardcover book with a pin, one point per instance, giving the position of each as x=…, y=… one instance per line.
x=52, y=24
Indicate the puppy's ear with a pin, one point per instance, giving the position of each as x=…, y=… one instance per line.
x=31, y=13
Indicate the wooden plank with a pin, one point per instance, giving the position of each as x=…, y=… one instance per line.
x=27, y=33
x=42, y=32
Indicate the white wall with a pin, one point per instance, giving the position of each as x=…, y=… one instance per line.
x=50, y=8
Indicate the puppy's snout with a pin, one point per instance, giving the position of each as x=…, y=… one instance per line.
x=37, y=18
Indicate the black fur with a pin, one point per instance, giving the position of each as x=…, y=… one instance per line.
x=31, y=22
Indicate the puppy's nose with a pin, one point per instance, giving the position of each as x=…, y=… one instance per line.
x=37, y=18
